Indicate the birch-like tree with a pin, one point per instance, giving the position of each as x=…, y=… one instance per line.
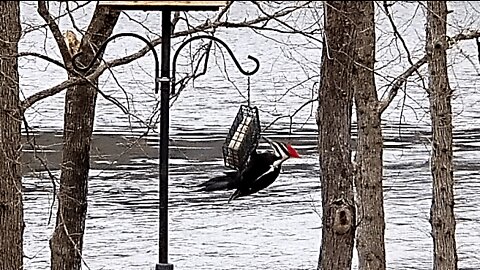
x=370, y=233
x=67, y=242
x=442, y=217
x=11, y=204
x=335, y=101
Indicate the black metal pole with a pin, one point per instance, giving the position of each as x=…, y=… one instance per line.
x=164, y=127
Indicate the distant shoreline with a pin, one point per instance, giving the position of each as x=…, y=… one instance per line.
x=113, y=149
x=116, y=149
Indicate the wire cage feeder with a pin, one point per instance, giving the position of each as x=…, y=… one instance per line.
x=242, y=138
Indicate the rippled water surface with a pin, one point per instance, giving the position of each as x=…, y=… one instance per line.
x=278, y=228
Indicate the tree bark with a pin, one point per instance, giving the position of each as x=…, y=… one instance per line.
x=369, y=150
x=11, y=205
x=67, y=240
x=334, y=121
x=442, y=216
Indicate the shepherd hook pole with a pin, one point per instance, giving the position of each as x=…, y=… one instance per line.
x=164, y=127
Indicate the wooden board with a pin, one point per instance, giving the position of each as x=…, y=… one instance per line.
x=165, y=5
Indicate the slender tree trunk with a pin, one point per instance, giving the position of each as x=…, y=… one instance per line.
x=67, y=241
x=11, y=205
x=442, y=216
x=369, y=154
x=334, y=120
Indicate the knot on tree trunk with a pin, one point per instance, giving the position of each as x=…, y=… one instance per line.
x=343, y=216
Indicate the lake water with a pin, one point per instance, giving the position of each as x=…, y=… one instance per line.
x=280, y=227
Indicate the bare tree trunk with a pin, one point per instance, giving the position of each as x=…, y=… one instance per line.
x=442, y=216
x=334, y=120
x=67, y=241
x=11, y=205
x=369, y=151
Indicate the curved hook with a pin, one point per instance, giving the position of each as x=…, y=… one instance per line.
x=102, y=49
x=247, y=73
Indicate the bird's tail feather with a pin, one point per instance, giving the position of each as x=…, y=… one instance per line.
x=224, y=182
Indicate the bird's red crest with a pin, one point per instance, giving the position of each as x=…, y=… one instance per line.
x=292, y=152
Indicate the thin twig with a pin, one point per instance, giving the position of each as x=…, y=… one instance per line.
x=33, y=144
x=400, y=80
x=290, y=115
x=43, y=11
x=130, y=58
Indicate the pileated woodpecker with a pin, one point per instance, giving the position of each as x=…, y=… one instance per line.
x=261, y=171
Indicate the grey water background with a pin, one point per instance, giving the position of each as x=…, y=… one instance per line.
x=280, y=227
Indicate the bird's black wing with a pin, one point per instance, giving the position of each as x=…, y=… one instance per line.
x=223, y=182
x=258, y=165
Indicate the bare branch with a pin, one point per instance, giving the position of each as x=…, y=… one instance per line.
x=50, y=92
x=396, y=32
x=292, y=29
x=130, y=58
x=33, y=144
x=43, y=11
x=72, y=20
x=212, y=25
x=466, y=35
x=291, y=115
x=400, y=80
x=402, y=40
x=224, y=11
x=31, y=28
x=198, y=71
x=44, y=57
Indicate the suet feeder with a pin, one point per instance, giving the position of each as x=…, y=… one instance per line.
x=242, y=138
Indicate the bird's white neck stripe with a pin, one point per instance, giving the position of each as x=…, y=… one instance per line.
x=280, y=149
x=281, y=152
